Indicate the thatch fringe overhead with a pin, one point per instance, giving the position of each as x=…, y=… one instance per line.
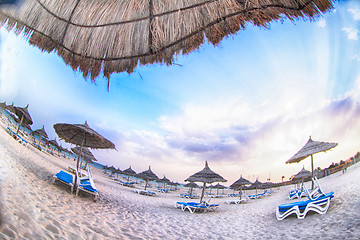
x=117, y=35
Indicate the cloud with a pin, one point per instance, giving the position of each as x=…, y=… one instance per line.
x=321, y=23
x=352, y=33
x=355, y=14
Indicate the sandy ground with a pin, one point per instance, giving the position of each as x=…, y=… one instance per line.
x=31, y=207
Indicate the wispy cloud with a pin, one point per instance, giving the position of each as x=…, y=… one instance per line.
x=352, y=33
x=321, y=23
x=355, y=13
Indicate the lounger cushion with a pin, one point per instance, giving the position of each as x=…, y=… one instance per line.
x=87, y=185
x=303, y=204
x=65, y=177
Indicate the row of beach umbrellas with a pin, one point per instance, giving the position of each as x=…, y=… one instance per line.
x=85, y=137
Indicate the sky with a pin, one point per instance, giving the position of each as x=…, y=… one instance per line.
x=245, y=106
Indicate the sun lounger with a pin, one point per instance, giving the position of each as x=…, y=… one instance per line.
x=144, y=192
x=236, y=201
x=65, y=178
x=87, y=185
x=196, y=207
x=320, y=205
x=192, y=196
x=163, y=190
x=317, y=201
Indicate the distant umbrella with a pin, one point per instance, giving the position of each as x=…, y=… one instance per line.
x=191, y=186
x=129, y=172
x=217, y=187
x=86, y=155
x=118, y=35
x=205, y=176
x=23, y=115
x=239, y=184
x=2, y=106
x=11, y=108
x=310, y=148
x=54, y=143
x=147, y=175
x=257, y=184
x=40, y=132
x=165, y=181
x=303, y=174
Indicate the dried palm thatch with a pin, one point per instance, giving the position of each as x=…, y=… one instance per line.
x=82, y=135
x=23, y=114
x=117, y=35
x=40, y=132
x=205, y=176
x=86, y=153
x=129, y=172
x=310, y=148
x=147, y=175
x=303, y=174
x=239, y=183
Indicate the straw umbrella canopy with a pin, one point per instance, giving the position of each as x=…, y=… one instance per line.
x=310, y=148
x=2, y=106
x=11, y=108
x=24, y=116
x=217, y=187
x=147, y=175
x=129, y=172
x=83, y=136
x=40, y=132
x=86, y=155
x=205, y=176
x=191, y=186
x=118, y=35
x=257, y=184
x=303, y=174
x=165, y=180
x=238, y=184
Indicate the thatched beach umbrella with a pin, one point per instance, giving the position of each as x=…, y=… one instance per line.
x=86, y=155
x=129, y=172
x=11, y=108
x=303, y=174
x=191, y=186
x=3, y=107
x=165, y=180
x=257, y=184
x=238, y=184
x=205, y=176
x=147, y=175
x=310, y=148
x=118, y=35
x=23, y=115
x=219, y=186
x=83, y=136
x=40, y=132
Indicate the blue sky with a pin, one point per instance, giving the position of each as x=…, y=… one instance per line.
x=246, y=106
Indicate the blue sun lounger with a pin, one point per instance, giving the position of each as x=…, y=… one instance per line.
x=65, y=178
x=196, y=207
x=317, y=201
x=320, y=205
x=86, y=184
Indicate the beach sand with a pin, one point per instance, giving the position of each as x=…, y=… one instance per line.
x=31, y=207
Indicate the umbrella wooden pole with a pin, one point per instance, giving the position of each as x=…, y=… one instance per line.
x=146, y=183
x=240, y=192
x=203, y=192
x=191, y=190
x=312, y=172
x=21, y=121
x=80, y=151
